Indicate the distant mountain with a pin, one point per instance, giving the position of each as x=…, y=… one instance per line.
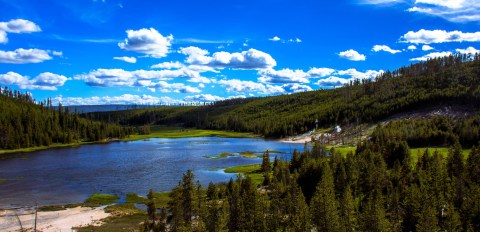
x=102, y=108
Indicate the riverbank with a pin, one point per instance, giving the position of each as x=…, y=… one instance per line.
x=62, y=220
x=40, y=148
x=157, y=132
x=176, y=133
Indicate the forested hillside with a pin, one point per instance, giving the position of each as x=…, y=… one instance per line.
x=435, y=131
x=381, y=187
x=450, y=80
x=23, y=123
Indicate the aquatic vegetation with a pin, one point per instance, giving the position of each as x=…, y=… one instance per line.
x=99, y=199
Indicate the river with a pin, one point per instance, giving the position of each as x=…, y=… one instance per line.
x=70, y=175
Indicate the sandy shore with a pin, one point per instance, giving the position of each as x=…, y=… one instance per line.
x=296, y=139
x=304, y=138
x=62, y=220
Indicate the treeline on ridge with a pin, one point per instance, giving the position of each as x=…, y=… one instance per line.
x=24, y=123
x=453, y=80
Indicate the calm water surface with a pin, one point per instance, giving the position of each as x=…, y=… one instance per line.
x=70, y=175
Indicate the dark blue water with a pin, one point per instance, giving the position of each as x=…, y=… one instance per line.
x=70, y=175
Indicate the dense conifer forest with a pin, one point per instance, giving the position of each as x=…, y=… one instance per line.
x=380, y=187
x=443, y=81
x=24, y=123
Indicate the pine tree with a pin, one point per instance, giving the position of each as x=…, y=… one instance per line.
x=188, y=196
x=456, y=171
x=428, y=220
x=235, y=209
x=299, y=218
x=151, y=209
x=348, y=213
x=373, y=216
x=324, y=207
x=452, y=221
x=266, y=167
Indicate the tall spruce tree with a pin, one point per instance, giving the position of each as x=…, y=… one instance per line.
x=266, y=167
x=348, y=214
x=324, y=206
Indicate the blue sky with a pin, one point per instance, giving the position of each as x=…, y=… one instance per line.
x=170, y=52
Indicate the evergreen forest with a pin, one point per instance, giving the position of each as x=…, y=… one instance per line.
x=24, y=123
x=380, y=187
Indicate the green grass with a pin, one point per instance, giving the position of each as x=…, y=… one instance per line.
x=47, y=208
x=3, y=180
x=253, y=171
x=176, y=132
x=415, y=152
x=99, y=199
x=114, y=224
x=245, y=154
x=344, y=150
x=161, y=199
x=224, y=155
x=123, y=209
x=244, y=169
x=323, y=130
x=248, y=154
x=134, y=198
x=39, y=148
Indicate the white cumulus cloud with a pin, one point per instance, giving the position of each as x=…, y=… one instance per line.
x=431, y=56
x=44, y=81
x=127, y=59
x=147, y=41
x=439, y=36
x=165, y=87
x=24, y=56
x=57, y=53
x=384, y=48
x=120, y=77
x=354, y=74
x=427, y=47
x=332, y=81
x=19, y=26
x=125, y=99
x=352, y=55
x=12, y=78
x=275, y=38
x=412, y=47
x=283, y=76
x=469, y=50
x=236, y=85
x=320, y=72
x=168, y=65
x=203, y=98
x=296, y=88
x=16, y=26
x=3, y=37
x=251, y=59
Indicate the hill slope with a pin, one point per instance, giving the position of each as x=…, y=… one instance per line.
x=452, y=80
x=23, y=123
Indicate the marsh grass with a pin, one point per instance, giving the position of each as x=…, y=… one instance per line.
x=114, y=224
x=252, y=170
x=99, y=199
x=159, y=131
